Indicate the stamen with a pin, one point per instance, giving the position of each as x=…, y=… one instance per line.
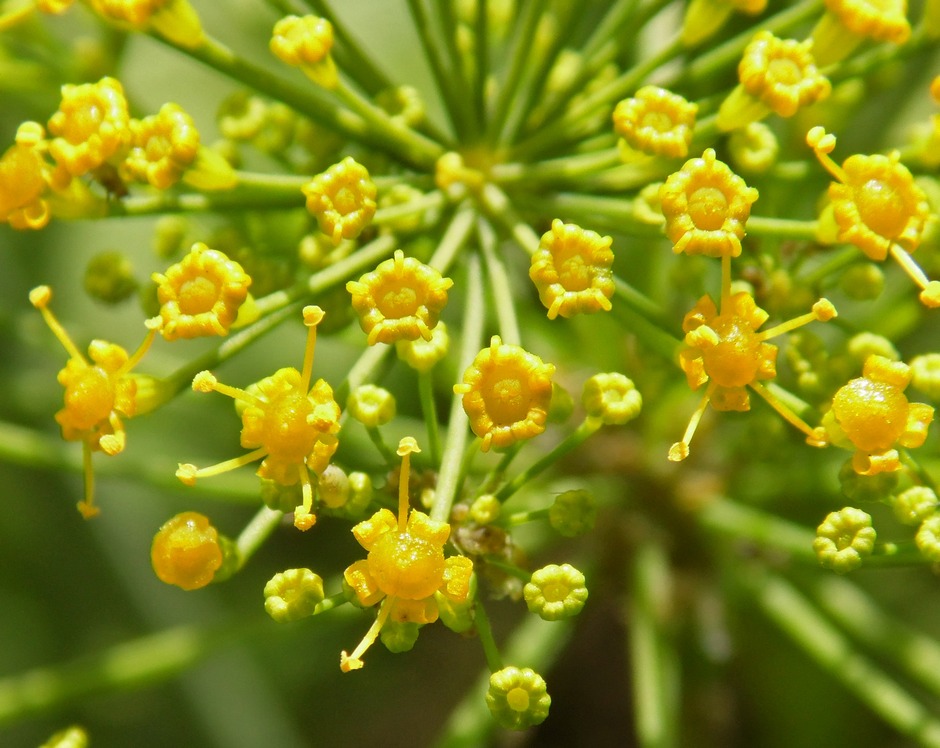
x=354, y=661
x=313, y=315
x=189, y=473
x=814, y=437
x=87, y=506
x=39, y=297
x=680, y=450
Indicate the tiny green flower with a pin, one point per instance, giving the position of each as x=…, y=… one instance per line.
x=518, y=698
x=573, y=513
x=485, y=509
x=928, y=538
x=925, y=374
x=360, y=494
x=754, y=148
x=399, y=636
x=863, y=282
x=293, y=594
x=844, y=538
x=867, y=344
x=914, y=505
x=556, y=592
x=612, y=397
x=422, y=354
x=372, y=406
x=109, y=277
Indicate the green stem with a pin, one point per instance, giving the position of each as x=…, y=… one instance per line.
x=833, y=651
x=925, y=478
x=499, y=286
x=448, y=479
x=376, y=437
x=559, y=170
x=739, y=522
x=362, y=371
x=653, y=659
x=485, y=634
x=499, y=208
x=522, y=518
x=393, y=213
x=454, y=239
x=256, y=532
x=834, y=264
x=429, y=411
x=782, y=228
x=570, y=442
x=511, y=569
x=495, y=476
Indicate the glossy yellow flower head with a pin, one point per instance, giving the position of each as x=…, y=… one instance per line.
x=878, y=207
x=506, y=394
x=24, y=177
x=186, y=551
x=343, y=199
x=873, y=415
x=782, y=74
x=401, y=299
x=725, y=350
x=99, y=391
x=162, y=147
x=406, y=565
x=656, y=121
x=305, y=42
x=91, y=127
x=201, y=294
x=287, y=422
x=706, y=206
x=572, y=271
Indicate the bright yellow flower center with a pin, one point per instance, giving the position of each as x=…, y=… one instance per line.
x=406, y=566
x=735, y=361
x=518, y=699
x=882, y=207
x=89, y=397
x=708, y=207
x=872, y=414
x=284, y=430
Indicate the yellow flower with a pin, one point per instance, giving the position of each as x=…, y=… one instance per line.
x=175, y=19
x=92, y=126
x=162, y=147
x=343, y=199
x=776, y=75
x=23, y=180
x=506, y=394
x=571, y=270
x=878, y=207
x=872, y=415
x=99, y=393
x=186, y=551
x=287, y=422
x=847, y=23
x=305, y=42
x=201, y=294
x=725, y=350
x=400, y=300
x=706, y=206
x=656, y=121
x=405, y=567
x=704, y=17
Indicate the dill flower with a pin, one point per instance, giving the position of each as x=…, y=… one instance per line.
x=847, y=23
x=913, y=506
x=405, y=567
x=292, y=595
x=843, y=539
x=186, y=551
x=572, y=271
x=305, y=42
x=927, y=538
x=286, y=421
x=925, y=374
x=706, y=206
x=612, y=398
x=776, y=75
x=91, y=126
x=555, y=592
x=506, y=394
x=100, y=392
x=518, y=698
x=342, y=199
x=421, y=354
x=725, y=350
x=371, y=405
x=872, y=415
x=704, y=17
x=24, y=177
x=754, y=148
x=400, y=300
x=174, y=19
x=656, y=121
x=162, y=147
x=201, y=294
x=573, y=512
x=878, y=207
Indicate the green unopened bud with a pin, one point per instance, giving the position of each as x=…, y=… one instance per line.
x=169, y=236
x=109, y=277
x=573, y=513
x=518, y=698
x=70, y=737
x=647, y=205
x=928, y=538
x=561, y=406
x=925, y=374
x=754, y=148
x=370, y=405
x=613, y=398
x=914, y=505
x=555, y=592
x=293, y=594
x=863, y=282
x=398, y=636
x=360, y=494
x=485, y=509
x=844, y=539
x=403, y=104
x=333, y=487
x=423, y=354
x=867, y=344
x=861, y=488
x=241, y=116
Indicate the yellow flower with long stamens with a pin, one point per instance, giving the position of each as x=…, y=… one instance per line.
x=100, y=392
x=878, y=207
x=287, y=423
x=405, y=567
x=401, y=299
x=725, y=351
x=872, y=415
x=506, y=392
